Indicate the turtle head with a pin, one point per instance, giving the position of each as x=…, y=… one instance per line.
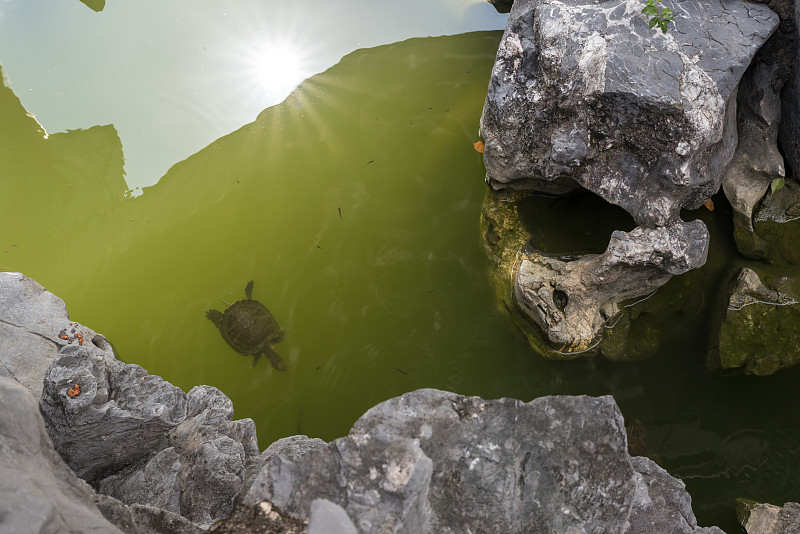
x=215, y=316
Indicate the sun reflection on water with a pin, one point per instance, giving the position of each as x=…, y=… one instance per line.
x=277, y=67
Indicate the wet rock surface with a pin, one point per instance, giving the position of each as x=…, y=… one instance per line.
x=776, y=222
x=759, y=332
x=573, y=301
x=572, y=304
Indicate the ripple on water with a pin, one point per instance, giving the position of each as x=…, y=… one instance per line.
x=762, y=464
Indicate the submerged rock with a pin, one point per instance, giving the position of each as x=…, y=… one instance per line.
x=759, y=331
x=776, y=221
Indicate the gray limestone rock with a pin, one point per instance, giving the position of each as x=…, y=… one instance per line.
x=756, y=161
x=761, y=518
x=38, y=492
x=34, y=325
x=104, y=415
x=555, y=464
x=380, y=481
x=142, y=519
x=661, y=503
x=329, y=518
x=160, y=521
x=585, y=94
x=119, y=514
x=292, y=448
x=202, y=471
x=574, y=301
x=143, y=441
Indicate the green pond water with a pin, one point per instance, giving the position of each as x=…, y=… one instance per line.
x=354, y=206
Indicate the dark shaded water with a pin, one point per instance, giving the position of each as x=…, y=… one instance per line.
x=354, y=207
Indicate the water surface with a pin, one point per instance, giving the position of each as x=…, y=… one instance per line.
x=353, y=204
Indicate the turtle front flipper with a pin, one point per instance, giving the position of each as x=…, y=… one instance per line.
x=274, y=360
x=248, y=290
x=215, y=316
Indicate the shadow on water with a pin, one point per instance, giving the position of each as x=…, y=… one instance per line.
x=355, y=205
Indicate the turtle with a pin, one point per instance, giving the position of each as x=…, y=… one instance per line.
x=249, y=327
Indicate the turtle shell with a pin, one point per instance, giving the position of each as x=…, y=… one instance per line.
x=247, y=325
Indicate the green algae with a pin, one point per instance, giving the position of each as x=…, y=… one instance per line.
x=776, y=222
x=760, y=329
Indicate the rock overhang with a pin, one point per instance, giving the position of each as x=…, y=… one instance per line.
x=586, y=95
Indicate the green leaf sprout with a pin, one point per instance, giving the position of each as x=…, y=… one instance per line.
x=659, y=15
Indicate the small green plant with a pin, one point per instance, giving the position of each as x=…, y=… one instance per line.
x=659, y=15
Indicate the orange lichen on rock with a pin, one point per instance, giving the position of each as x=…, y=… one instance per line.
x=74, y=391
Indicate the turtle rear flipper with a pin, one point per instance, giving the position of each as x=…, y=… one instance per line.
x=279, y=336
x=274, y=359
x=215, y=316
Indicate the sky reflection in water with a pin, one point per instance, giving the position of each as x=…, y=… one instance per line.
x=174, y=76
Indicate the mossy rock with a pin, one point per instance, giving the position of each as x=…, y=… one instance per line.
x=504, y=237
x=759, y=331
x=507, y=237
x=776, y=221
